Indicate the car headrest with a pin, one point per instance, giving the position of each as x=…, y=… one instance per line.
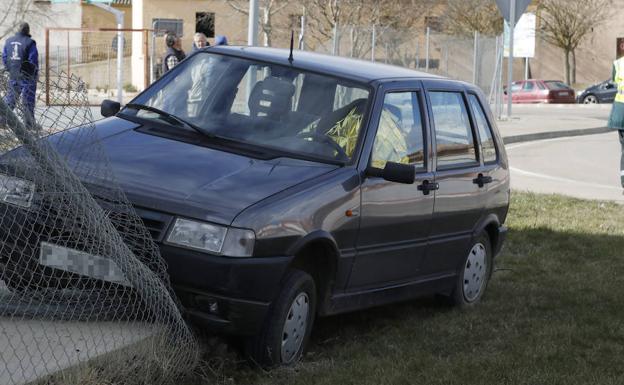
x=271, y=98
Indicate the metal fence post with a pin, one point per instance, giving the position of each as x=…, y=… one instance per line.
x=475, y=53
x=302, y=33
x=153, y=55
x=427, y=49
x=335, y=43
x=374, y=37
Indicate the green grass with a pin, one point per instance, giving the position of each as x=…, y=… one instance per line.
x=553, y=314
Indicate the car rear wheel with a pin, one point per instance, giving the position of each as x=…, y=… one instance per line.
x=287, y=328
x=474, y=274
x=590, y=99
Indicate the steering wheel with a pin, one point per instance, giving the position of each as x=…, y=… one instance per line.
x=324, y=139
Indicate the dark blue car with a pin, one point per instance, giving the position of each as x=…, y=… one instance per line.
x=598, y=93
x=280, y=190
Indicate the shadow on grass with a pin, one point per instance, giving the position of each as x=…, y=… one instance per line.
x=552, y=314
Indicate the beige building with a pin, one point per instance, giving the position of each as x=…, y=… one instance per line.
x=216, y=17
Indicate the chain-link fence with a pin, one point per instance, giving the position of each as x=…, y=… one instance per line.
x=93, y=56
x=83, y=288
x=471, y=59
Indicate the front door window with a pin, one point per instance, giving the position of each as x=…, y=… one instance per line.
x=400, y=133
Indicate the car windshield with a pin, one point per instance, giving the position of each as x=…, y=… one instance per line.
x=268, y=105
x=556, y=85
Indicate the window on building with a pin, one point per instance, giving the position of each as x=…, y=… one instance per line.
x=205, y=23
x=161, y=26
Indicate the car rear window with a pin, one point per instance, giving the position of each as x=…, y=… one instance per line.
x=485, y=131
x=556, y=85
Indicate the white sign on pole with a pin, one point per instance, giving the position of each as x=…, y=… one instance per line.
x=524, y=37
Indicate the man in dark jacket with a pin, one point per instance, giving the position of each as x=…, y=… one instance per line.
x=174, y=53
x=21, y=59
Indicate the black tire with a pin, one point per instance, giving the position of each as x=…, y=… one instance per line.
x=463, y=295
x=590, y=99
x=265, y=349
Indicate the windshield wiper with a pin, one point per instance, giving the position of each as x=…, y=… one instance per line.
x=169, y=117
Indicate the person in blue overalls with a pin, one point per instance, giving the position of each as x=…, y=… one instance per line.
x=21, y=59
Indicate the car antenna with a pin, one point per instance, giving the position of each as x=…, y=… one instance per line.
x=292, y=43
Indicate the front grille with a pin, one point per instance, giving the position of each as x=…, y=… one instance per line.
x=155, y=222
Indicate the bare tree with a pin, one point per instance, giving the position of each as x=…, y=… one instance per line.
x=464, y=17
x=358, y=16
x=268, y=8
x=13, y=12
x=565, y=23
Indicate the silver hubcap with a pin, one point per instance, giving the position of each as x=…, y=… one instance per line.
x=295, y=327
x=475, y=272
x=591, y=99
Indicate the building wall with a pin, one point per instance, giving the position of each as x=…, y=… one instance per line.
x=94, y=17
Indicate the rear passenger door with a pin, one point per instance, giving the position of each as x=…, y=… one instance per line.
x=459, y=201
x=495, y=176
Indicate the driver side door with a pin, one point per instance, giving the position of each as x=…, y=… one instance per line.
x=395, y=217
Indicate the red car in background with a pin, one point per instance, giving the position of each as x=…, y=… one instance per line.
x=541, y=91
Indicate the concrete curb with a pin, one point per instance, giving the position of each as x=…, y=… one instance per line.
x=555, y=134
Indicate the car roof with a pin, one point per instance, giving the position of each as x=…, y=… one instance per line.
x=353, y=69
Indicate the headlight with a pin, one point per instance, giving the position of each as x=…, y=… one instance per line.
x=230, y=242
x=16, y=191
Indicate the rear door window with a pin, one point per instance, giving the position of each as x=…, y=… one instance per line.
x=455, y=142
x=485, y=131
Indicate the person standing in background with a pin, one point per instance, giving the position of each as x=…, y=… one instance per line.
x=221, y=40
x=174, y=53
x=199, y=41
x=616, y=119
x=21, y=58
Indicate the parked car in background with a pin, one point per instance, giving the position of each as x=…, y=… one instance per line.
x=281, y=190
x=598, y=93
x=541, y=91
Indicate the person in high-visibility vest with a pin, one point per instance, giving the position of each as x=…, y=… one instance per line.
x=616, y=119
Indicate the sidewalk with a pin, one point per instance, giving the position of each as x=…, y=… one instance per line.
x=543, y=121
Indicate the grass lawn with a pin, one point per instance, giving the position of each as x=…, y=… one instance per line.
x=553, y=314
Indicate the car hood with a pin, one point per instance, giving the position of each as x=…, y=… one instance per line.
x=181, y=178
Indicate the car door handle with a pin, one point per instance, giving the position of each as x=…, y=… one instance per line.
x=482, y=180
x=427, y=186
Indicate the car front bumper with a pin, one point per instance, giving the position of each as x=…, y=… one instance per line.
x=225, y=295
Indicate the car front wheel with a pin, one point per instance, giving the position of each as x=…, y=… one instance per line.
x=590, y=99
x=475, y=273
x=286, y=330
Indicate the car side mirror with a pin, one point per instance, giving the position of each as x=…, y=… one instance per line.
x=394, y=172
x=109, y=108
x=610, y=85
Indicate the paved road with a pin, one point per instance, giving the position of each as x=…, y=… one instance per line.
x=33, y=347
x=584, y=167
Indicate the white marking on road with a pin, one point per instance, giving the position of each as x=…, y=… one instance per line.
x=566, y=180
